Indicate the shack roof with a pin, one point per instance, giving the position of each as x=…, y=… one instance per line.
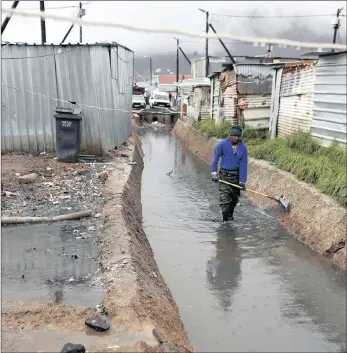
x=333, y=53
x=105, y=44
x=195, y=82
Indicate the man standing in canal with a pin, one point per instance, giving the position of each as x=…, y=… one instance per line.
x=233, y=169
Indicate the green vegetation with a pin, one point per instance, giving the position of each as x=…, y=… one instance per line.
x=302, y=155
x=222, y=131
x=299, y=154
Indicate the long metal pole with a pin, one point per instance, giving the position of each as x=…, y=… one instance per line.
x=225, y=48
x=177, y=64
x=67, y=33
x=8, y=17
x=150, y=71
x=43, y=23
x=207, y=61
x=185, y=56
x=80, y=16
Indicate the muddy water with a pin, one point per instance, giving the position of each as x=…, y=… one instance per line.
x=242, y=286
x=46, y=263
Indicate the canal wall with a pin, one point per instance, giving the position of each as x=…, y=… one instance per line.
x=137, y=297
x=314, y=219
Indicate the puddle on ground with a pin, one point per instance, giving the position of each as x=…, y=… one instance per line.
x=51, y=263
x=49, y=341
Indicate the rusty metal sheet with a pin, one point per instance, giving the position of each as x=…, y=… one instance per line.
x=295, y=113
x=229, y=106
x=296, y=99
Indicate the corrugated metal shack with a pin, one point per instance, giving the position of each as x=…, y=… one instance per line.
x=329, y=108
x=218, y=63
x=242, y=94
x=195, y=99
x=37, y=78
x=294, y=99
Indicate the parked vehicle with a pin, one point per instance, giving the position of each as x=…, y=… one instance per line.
x=159, y=99
x=138, y=90
x=139, y=101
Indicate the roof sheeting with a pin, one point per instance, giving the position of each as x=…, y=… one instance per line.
x=171, y=79
x=254, y=71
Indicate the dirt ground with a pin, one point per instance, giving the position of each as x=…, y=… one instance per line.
x=137, y=299
x=314, y=219
x=60, y=187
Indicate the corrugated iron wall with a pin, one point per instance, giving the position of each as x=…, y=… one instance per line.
x=254, y=85
x=329, y=109
x=255, y=110
x=296, y=99
x=95, y=75
x=228, y=87
x=215, y=102
x=27, y=122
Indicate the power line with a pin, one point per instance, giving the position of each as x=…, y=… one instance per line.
x=121, y=59
x=80, y=104
x=179, y=31
x=271, y=16
x=210, y=41
x=64, y=101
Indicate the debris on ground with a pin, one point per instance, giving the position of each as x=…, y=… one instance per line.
x=99, y=323
x=42, y=186
x=73, y=348
x=29, y=178
x=103, y=176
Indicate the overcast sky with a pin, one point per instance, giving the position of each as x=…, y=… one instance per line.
x=180, y=15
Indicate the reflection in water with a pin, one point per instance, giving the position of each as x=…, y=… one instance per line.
x=224, y=270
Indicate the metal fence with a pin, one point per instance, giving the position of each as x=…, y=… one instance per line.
x=36, y=77
x=329, y=107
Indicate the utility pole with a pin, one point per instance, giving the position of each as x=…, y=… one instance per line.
x=8, y=17
x=177, y=63
x=207, y=60
x=81, y=13
x=150, y=71
x=43, y=23
x=336, y=24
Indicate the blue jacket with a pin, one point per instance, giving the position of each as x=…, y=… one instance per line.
x=230, y=160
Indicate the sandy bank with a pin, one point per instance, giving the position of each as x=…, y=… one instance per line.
x=137, y=296
x=314, y=218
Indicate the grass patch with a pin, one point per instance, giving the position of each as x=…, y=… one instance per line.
x=221, y=131
x=208, y=127
x=299, y=154
x=303, y=156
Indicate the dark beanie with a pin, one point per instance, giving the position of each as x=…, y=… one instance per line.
x=236, y=130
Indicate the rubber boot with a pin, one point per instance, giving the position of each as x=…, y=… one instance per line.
x=231, y=211
x=225, y=216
